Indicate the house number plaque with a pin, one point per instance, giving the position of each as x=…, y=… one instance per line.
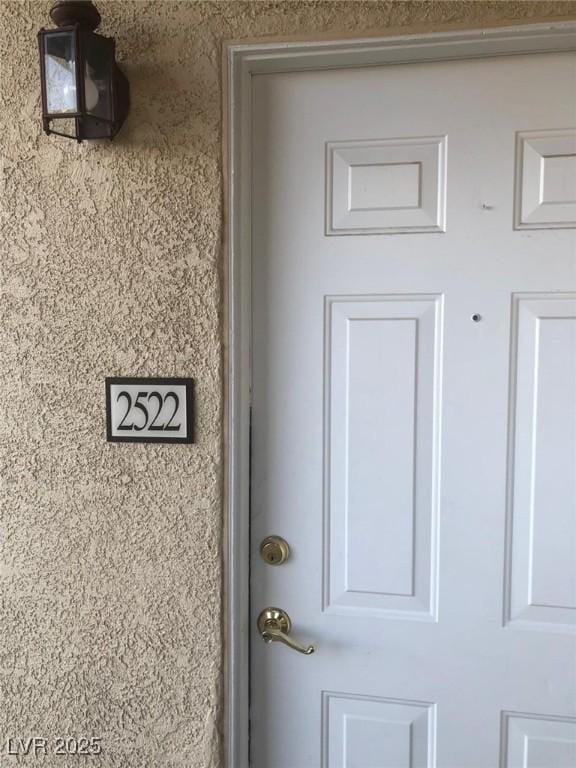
x=149, y=410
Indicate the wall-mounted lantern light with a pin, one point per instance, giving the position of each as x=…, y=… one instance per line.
x=84, y=93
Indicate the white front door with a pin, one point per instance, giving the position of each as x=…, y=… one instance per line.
x=414, y=416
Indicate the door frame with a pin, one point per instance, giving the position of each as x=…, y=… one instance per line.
x=241, y=62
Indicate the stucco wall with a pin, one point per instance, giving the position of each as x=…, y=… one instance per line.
x=110, y=264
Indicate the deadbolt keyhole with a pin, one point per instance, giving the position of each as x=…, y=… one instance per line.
x=274, y=550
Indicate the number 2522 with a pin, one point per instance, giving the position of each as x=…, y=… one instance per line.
x=150, y=398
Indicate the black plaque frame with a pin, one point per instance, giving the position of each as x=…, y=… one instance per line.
x=154, y=380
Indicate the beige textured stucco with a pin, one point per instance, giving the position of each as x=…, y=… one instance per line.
x=111, y=263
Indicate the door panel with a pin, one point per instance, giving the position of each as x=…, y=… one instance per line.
x=543, y=468
x=362, y=732
x=392, y=185
x=381, y=526
x=414, y=414
x=546, y=179
x=533, y=741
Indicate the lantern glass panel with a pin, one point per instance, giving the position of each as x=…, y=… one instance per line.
x=60, y=71
x=99, y=55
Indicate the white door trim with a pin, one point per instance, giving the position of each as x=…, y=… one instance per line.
x=241, y=62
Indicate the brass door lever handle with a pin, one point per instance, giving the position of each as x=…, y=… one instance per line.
x=274, y=625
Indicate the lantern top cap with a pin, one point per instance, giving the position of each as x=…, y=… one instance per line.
x=66, y=13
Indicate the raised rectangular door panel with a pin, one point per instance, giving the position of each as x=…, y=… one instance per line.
x=382, y=419
x=538, y=741
x=386, y=186
x=380, y=186
x=546, y=179
x=369, y=732
x=541, y=586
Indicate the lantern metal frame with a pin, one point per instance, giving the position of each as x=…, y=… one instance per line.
x=79, y=18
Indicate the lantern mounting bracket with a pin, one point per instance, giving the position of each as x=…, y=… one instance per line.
x=66, y=13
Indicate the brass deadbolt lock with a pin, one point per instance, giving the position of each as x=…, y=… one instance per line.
x=274, y=550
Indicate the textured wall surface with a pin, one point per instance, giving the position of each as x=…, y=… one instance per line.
x=110, y=573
